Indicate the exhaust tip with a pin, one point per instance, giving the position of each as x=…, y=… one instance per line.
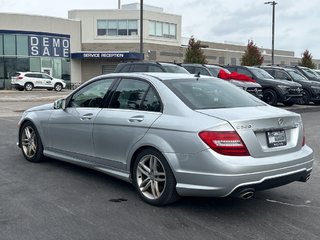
x=246, y=194
x=306, y=178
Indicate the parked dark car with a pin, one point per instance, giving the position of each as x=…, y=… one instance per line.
x=149, y=67
x=311, y=89
x=274, y=90
x=213, y=70
x=310, y=74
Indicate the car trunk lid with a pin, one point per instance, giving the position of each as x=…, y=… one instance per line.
x=265, y=130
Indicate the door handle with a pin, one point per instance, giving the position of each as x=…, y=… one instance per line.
x=136, y=119
x=87, y=116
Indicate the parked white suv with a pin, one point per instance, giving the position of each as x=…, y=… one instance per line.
x=30, y=80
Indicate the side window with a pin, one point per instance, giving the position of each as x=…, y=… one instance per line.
x=153, y=68
x=281, y=75
x=151, y=102
x=202, y=71
x=190, y=69
x=245, y=72
x=91, y=96
x=125, y=68
x=46, y=76
x=270, y=71
x=129, y=94
x=139, y=68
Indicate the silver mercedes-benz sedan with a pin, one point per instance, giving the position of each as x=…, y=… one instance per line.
x=171, y=135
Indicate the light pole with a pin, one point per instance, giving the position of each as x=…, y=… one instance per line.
x=141, y=29
x=273, y=3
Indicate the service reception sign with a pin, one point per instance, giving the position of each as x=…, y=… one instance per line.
x=49, y=46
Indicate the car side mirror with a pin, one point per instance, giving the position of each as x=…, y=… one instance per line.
x=60, y=104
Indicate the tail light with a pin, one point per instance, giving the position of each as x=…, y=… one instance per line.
x=20, y=77
x=225, y=142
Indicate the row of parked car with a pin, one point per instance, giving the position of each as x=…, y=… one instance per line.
x=274, y=84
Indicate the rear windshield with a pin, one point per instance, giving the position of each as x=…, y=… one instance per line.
x=174, y=69
x=207, y=93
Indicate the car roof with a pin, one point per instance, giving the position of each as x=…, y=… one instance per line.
x=162, y=76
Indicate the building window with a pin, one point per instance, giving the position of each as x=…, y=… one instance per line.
x=117, y=27
x=22, y=45
x=1, y=45
x=162, y=29
x=35, y=64
x=9, y=43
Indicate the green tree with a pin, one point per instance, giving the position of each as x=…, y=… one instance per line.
x=194, y=53
x=252, y=55
x=306, y=60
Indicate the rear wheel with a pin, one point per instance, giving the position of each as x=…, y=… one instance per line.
x=28, y=86
x=30, y=143
x=153, y=178
x=270, y=97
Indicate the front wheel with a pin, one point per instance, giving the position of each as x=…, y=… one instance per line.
x=58, y=87
x=30, y=143
x=270, y=97
x=153, y=178
x=306, y=98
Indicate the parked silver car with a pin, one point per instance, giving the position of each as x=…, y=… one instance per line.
x=171, y=135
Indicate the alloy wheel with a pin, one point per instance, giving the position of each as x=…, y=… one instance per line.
x=151, y=177
x=29, y=142
x=58, y=87
x=28, y=87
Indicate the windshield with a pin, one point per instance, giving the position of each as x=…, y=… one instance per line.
x=208, y=93
x=215, y=70
x=310, y=73
x=260, y=73
x=296, y=76
x=174, y=69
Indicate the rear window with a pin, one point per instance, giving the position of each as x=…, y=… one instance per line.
x=174, y=69
x=208, y=93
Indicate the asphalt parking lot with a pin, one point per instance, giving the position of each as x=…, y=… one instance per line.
x=57, y=200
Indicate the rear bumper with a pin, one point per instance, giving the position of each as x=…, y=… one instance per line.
x=219, y=179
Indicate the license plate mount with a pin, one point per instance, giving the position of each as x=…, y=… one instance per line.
x=276, y=138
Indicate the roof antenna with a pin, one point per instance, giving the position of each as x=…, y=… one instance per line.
x=197, y=75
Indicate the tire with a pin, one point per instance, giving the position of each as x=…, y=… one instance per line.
x=28, y=86
x=156, y=189
x=270, y=97
x=30, y=142
x=58, y=87
x=288, y=103
x=305, y=98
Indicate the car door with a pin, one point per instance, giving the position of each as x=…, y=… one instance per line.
x=70, y=130
x=134, y=106
x=46, y=80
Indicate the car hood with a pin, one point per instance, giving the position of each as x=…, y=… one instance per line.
x=48, y=106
